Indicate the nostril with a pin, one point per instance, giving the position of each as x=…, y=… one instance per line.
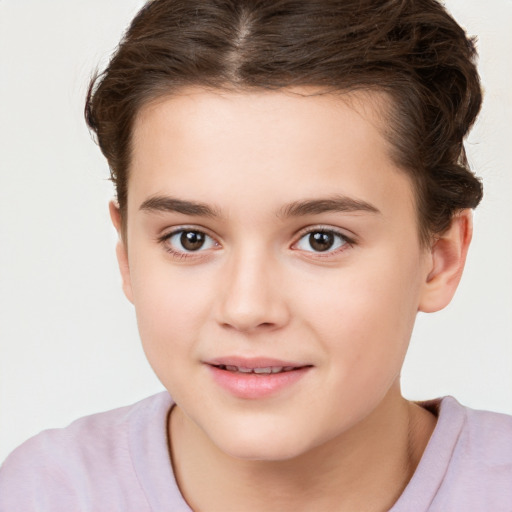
x=241, y=326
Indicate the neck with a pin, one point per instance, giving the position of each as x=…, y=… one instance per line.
x=365, y=468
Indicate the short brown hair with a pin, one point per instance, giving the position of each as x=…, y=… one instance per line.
x=412, y=50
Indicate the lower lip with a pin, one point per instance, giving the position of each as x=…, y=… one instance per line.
x=253, y=386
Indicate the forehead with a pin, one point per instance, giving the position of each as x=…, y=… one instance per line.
x=307, y=114
x=237, y=147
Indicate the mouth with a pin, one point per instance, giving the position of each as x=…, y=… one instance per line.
x=264, y=370
x=256, y=378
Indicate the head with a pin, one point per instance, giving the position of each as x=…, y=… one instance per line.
x=233, y=130
x=412, y=51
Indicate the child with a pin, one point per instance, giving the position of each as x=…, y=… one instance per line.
x=291, y=190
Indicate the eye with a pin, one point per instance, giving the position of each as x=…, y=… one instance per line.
x=188, y=240
x=321, y=240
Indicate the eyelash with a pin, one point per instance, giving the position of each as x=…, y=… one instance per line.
x=347, y=242
x=182, y=255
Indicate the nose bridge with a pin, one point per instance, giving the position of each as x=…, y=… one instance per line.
x=251, y=294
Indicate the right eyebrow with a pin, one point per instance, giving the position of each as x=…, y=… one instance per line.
x=334, y=203
x=174, y=205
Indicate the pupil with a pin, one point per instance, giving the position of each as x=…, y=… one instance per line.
x=321, y=241
x=192, y=240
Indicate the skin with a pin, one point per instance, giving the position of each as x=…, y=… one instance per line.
x=342, y=437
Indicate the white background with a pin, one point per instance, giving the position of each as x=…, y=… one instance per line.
x=68, y=338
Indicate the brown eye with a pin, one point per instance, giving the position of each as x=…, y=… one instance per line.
x=188, y=240
x=192, y=240
x=321, y=241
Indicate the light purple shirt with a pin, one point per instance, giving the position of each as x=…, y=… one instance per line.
x=119, y=461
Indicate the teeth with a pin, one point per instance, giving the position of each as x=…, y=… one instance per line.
x=263, y=370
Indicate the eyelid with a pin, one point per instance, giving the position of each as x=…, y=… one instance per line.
x=172, y=230
x=167, y=235
x=344, y=233
x=350, y=240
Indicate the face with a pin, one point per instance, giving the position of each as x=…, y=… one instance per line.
x=274, y=263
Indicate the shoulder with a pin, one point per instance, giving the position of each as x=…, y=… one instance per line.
x=494, y=426
x=467, y=464
x=485, y=437
x=479, y=472
x=62, y=469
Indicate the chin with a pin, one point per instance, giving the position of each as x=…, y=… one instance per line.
x=263, y=445
x=264, y=451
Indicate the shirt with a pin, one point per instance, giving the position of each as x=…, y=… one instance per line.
x=119, y=461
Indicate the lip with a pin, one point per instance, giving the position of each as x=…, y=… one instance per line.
x=254, y=362
x=255, y=386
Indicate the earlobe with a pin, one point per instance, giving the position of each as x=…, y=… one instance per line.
x=121, y=251
x=447, y=258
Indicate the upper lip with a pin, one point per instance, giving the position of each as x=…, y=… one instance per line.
x=254, y=362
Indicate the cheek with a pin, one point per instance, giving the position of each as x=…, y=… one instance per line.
x=171, y=308
x=365, y=314
x=362, y=321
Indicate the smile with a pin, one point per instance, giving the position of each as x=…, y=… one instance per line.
x=256, y=378
x=259, y=371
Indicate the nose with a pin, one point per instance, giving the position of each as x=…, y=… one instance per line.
x=251, y=295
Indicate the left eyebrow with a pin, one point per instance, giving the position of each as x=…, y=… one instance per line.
x=172, y=204
x=330, y=204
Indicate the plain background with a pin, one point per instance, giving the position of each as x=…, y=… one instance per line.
x=68, y=338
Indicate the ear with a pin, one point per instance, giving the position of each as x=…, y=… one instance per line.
x=447, y=258
x=121, y=252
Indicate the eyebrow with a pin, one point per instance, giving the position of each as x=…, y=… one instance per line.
x=331, y=204
x=172, y=204
x=295, y=209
